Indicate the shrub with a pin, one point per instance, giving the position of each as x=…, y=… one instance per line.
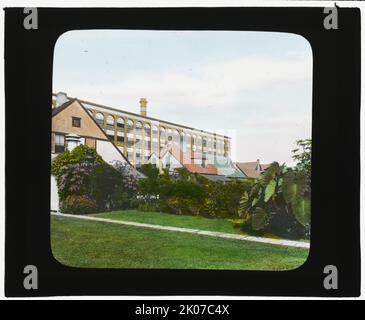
x=222, y=199
x=75, y=156
x=73, y=179
x=182, y=192
x=78, y=204
x=145, y=206
x=127, y=198
x=84, y=173
x=149, y=188
x=105, y=186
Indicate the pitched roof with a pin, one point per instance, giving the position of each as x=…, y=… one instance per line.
x=252, y=169
x=147, y=117
x=62, y=107
x=175, y=150
x=225, y=166
x=196, y=168
x=185, y=160
x=70, y=102
x=215, y=177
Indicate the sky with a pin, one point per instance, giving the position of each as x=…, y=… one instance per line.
x=255, y=87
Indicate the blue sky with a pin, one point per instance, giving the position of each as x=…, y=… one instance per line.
x=253, y=86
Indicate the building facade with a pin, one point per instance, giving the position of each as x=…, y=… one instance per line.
x=138, y=136
x=73, y=125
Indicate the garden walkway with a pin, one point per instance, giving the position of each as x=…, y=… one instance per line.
x=280, y=242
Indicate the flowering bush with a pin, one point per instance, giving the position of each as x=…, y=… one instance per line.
x=72, y=179
x=91, y=178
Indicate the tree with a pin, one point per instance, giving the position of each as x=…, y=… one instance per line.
x=303, y=156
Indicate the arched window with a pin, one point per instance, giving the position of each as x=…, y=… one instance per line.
x=162, y=135
x=130, y=126
x=139, y=128
x=193, y=142
x=120, y=124
x=110, y=122
x=176, y=137
x=204, y=142
x=100, y=119
x=169, y=135
x=188, y=141
x=154, y=131
x=147, y=130
x=182, y=139
x=209, y=143
x=220, y=147
x=199, y=141
x=130, y=139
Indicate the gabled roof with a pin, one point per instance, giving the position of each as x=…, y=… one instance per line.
x=62, y=107
x=185, y=160
x=225, y=166
x=196, y=168
x=175, y=150
x=252, y=169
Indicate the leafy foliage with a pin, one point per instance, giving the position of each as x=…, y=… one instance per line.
x=90, y=178
x=76, y=204
x=180, y=193
x=186, y=193
x=128, y=196
x=303, y=155
x=260, y=218
x=73, y=179
x=222, y=199
x=75, y=156
x=281, y=194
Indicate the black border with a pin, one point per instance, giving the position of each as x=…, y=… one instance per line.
x=336, y=153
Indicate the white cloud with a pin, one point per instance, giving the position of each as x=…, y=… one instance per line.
x=205, y=86
x=236, y=92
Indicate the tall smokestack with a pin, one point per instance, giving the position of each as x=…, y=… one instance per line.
x=143, y=106
x=258, y=166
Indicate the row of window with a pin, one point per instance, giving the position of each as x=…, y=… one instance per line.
x=165, y=134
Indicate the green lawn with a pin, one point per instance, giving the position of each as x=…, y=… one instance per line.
x=173, y=220
x=91, y=244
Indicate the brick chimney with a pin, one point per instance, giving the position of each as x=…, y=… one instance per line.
x=143, y=106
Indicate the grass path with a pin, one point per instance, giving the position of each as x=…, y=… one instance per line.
x=91, y=244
